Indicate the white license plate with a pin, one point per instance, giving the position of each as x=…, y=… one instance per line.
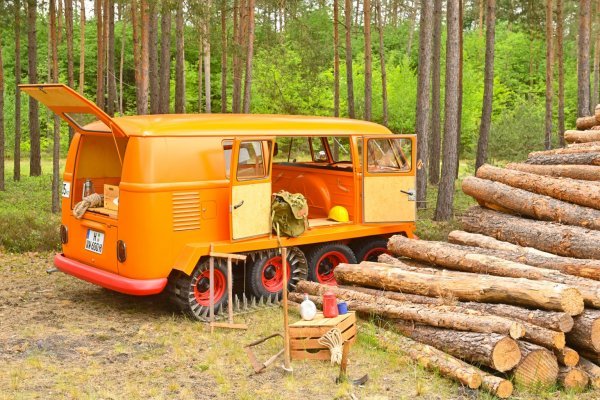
x=94, y=241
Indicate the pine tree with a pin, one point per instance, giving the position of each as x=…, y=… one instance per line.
x=35, y=157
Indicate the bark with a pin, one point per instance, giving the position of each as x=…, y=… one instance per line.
x=249, y=57
x=237, y=50
x=200, y=78
x=137, y=57
x=411, y=29
x=349, y=77
x=100, y=56
x=368, y=60
x=569, y=190
x=596, y=72
x=567, y=357
x=566, y=159
x=573, y=378
x=384, y=96
x=423, y=98
x=586, y=331
x=436, y=111
x=536, y=206
x=56, y=133
x=584, y=123
x=433, y=359
x=582, y=136
x=583, y=59
x=582, y=145
x=465, y=286
x=592, y=370
x=206, y=57
x=179, y=61
x=164, y=101
x=144, y=82
x=488, y=83
x=568, y=150
x=17, y=149
x=2, y=138
x=441, y=316
x=561, y=72
x=563, y=240
x=580, y=172
x=35, y=157
x=495, y=385
x=224, y=56
x=82, y=46
x=122, y=61
x=70, y=66
x=498, y=352
x=465, y=259
x=537, y=366
x=445, y=198
x=336, y=60
x=153, y=58
x=549, y=75
x=111, y=105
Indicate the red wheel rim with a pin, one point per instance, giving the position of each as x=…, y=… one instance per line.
x=326, y=265
x=202, y=287
x=373, y=253
x=271, y=274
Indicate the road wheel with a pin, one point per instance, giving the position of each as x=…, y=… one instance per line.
x=369, y=248
x=265, y=275
x=192, y=293
x=323, y=258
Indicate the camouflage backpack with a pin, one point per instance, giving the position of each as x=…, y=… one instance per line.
x=289, y=213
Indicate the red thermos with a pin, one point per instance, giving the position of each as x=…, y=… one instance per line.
x=330, y=309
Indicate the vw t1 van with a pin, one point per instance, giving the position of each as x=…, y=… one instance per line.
x=189, y=183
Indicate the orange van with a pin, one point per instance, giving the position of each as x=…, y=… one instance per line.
x=186, y=182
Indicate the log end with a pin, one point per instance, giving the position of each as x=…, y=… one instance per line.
x=572, y=301
x=506, y=355
x=565, y=323
x=474, y=381
x=537, y=367
x=559, y=340
x=595, y=334
x=574, y=379
x=504, y=389
x=517, y=330
x=569, y=357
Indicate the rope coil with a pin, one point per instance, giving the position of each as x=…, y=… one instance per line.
x=334, y=342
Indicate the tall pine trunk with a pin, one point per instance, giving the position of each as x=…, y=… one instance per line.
x=412, y=20
x=445, y=198
x=17, y=150
x=223, y=56
x=56, y=138
x=206, y=58
x=70, y=66
x=122, y=61
x=236, y=96
x=384, y=96
x=423, y=94
x=549, y=74
x=200, y=78
x=153, y=58
x=460, y=81
x=82, y=46
x=111, y=105
x=179, y=61
x=2, y=178
x=100, y=55
x=583, y=59
x=488, y=85
x=368, y=59
x=144, y=57
x=249, y=57
x=561, y=72
x=349, y=77
x=436, y=111
x=595, y=93
x=35, y=157
x=336, y=60
x=164, y=97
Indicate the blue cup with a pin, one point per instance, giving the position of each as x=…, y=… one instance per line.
x=342, y=307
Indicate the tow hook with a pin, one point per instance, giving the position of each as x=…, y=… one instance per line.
x=52, y=270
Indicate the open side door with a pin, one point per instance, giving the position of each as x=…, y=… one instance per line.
x=389, y=178
x=73, y=108
x=250, y=194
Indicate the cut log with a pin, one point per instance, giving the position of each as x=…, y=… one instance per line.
x=592, y=370
x=467, y=260
x=567, y=357
x=584, y=123
x=465, y=286
x=572, y=136
x=584, y=268
x=573, y=378
x=566, y=159
x=404, y=297
x=537, y=206
x=433, y=359
x=566, y=150
x=440, y=316
x=583, y=145
x=496, y=351
x=586, y=331
x=497, y=386
x=573, y=191
x=582, y=172
x=564, y=240
x=537, y=366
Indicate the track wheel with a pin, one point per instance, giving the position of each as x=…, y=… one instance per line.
x=323, y=258
x=265, y=277
x=192, y=293
x=369, y=248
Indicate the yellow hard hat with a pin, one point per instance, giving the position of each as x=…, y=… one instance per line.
x=339, y=214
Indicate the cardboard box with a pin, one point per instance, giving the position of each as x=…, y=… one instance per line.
x=111, y=197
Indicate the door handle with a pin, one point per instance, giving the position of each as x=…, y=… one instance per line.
x=238, y=205
x=410, y=193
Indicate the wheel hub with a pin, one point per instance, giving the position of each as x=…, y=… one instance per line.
x=203, y=284
x=270, y=271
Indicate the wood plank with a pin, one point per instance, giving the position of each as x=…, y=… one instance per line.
x=305, y=355
x=228, y=255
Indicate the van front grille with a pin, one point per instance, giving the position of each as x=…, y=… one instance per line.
x=186, y=211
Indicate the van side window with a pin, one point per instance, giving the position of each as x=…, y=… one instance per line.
x=339, y=146
x=389, y=155
x=318, y=150
x=227, y=148
x=251, y=161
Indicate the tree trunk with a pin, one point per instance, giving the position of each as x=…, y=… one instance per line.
x=439, y=316
x=100, y=56
x=572, y=191
x=412, y=21
x=70, y=66
x=137, y=57
x=224, y=56
x=423, y=99
x=465, y=259
x=164, y=97
x=561, y=72
x=590, y=122
x=179, y=61
x=35, y=157
x=536, y=206
x=573, y=378
x=368, y=60
x=595, y=148
x=497, y=386
x=2, y=136
x=200, y=77
x=237, y=50
x=595, y=93
x=582, y=145
x=122, y=61
x=583, y=58
x=82, y=46
x=433, y=359
x=580, y=172
x=586, y=331
x=592, y=370
x=465, y=286
x=436, y=112
x=249, y=57
x=384, y=95
x=558, y=159
x=488, y=83
x=498, y=352
x=445, y=198
x=537, y=366
x=153, y=57
x=144, y=58
x=349, y=76
x=336, y=60
x=56, y=136
x=206, y=57
x=460, y=83
x=564, y=240
x=549, y=74
x=567, y=357
x=17, y=150
x=111, y=105
x=582, y=136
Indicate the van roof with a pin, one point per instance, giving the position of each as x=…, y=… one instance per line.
x=239, y=125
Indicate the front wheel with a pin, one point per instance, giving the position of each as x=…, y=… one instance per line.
x=369, y=248
x=324, y=258
x=265, y=276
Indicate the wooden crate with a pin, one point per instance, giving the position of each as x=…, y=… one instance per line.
x=304, y=335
